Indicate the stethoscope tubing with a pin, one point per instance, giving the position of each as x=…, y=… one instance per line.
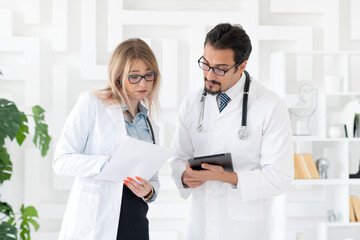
x=245, y=99
x=242, y=133
x=151, y=130
x=149, y=125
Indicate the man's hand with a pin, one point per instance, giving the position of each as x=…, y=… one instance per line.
x=189, y=179
x=194, y=178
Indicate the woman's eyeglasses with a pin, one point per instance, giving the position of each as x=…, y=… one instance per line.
x=135, y=78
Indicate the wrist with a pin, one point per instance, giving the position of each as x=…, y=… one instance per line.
x=149, y=195
x=231, y=177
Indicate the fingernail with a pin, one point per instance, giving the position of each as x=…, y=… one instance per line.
x=138, y=178
x=129, y=178
x=126, y=182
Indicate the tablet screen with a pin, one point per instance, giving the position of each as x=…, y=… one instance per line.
x=223, y=159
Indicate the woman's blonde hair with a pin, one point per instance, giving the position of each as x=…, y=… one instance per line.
x=120, y=66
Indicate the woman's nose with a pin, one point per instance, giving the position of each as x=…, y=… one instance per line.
x=142, y=82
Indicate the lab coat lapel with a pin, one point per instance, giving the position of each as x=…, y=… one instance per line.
x=211, y=110
x=232, y=105
x=117, y=117
x=237, y=101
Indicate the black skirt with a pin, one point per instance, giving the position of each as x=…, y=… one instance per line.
x=133, y=223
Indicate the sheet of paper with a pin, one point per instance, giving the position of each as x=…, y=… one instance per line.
x=135, y=158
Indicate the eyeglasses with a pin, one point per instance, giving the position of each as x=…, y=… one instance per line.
x=217, y=71
x=134, y=79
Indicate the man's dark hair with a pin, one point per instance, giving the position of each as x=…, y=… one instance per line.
x=225, y=36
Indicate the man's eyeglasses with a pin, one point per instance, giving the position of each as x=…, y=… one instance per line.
x=135, y=78
x=217, y=71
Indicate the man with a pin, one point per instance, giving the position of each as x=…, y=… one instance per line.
x=231, y=205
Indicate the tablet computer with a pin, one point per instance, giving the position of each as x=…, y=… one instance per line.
x=223, y=159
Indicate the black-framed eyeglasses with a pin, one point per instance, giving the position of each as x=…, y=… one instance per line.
x=136, y=78
x=217, y=71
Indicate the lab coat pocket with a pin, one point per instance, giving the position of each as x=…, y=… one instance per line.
x=82, y=213
x=244, y=211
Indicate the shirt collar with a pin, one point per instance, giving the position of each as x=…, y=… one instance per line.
x=142, y=108
x=237, y=88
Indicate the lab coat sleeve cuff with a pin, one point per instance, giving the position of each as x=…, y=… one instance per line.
x=99, y=166
x=102, y=163
x=235, y=190
x=237, y=186
x=184, y=190
x=105, y=163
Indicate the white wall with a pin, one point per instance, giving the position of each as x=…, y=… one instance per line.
x=50, y=51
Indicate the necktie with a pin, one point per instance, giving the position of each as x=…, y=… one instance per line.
x=224, y=99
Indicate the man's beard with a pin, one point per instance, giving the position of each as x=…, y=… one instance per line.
x=209, y=90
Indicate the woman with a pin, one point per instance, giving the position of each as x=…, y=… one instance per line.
x=92, y=133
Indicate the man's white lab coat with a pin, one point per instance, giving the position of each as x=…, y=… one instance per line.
x=263, y=163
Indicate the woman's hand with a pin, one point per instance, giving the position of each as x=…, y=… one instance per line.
x=139, y=189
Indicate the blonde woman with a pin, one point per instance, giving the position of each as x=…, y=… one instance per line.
x=102, y=209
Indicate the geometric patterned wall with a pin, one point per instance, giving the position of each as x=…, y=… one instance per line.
x=50, y=51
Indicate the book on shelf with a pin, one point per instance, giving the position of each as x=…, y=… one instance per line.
x=296, y=172
x=304, y=167
x=354, y=209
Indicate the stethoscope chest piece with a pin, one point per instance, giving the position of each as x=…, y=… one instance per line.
x=242, y=133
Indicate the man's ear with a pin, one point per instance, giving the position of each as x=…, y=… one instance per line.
x=242, y=66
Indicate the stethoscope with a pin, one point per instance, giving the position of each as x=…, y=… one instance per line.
x=147, y=122
x=242, y=133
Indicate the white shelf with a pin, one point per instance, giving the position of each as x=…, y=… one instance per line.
x=340, y=224
x=354, y=181
x=301, y=182
x=323, y=53
x=326, y=230
x=323, y=139
x=343, y=94
x=310, y=199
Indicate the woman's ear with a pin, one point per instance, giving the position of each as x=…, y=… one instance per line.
x=117, y=81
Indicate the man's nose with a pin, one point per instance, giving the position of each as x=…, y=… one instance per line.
x=210, y=75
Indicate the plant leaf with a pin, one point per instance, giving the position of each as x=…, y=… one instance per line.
x=34, y=223
x=10, y=120
x=25, y=232
x=7, y=231
x=20, y=136
x=6, y=209
x=41, y=137
x=5, y=165
x=27, y=216
x=29, y=211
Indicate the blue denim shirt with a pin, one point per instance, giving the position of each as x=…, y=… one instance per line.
x=138, y=129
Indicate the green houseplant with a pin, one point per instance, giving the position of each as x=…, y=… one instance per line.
x=13, y=125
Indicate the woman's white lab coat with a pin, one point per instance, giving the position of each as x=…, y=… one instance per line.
x=263, y=163
x=91, y=134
